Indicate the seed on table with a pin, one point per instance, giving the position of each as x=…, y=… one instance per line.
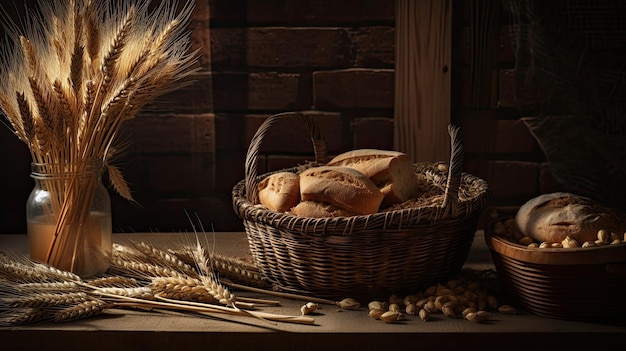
x=411, y=309
x=507, y=309
x=430, y=307
x=448, y=310
x=424, y=315
x=376, y=313
x=394, y=307
x=349, y=304
x=468, y=310
x=474, y=317
x=391, y=316
x=422, y=302
x=375, y=305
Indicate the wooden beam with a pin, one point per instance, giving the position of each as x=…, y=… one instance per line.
x=422, y=86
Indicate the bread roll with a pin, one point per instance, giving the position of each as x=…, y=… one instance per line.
x=319, y=209
x=552, y=217
x=280, y=191
x=343, y=187
x=391, y=171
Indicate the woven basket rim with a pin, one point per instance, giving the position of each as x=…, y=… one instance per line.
x=395, y=220
x=553, y=256
x=246, y=203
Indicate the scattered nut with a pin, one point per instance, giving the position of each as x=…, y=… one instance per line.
x=448, y=309
x=484, y=315
x=507, y=309
x=394, y=307
x=391, y=316
x=308, y=308
x=349, y=304
x=473, y=317
x=569, y=243
x=376, y=305
x=424, y=315
x=376, y=313
x=411, y=309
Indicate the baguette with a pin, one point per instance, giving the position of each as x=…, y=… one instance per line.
x=280, y=191
x=319, y=209
x=343, y=187
x=391, y=171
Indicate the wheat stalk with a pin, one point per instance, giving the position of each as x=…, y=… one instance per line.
x=34, y=292
x=71, y=77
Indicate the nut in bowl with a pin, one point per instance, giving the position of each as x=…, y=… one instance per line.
x=559, y=279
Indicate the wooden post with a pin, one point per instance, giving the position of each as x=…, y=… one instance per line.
x=422, y=79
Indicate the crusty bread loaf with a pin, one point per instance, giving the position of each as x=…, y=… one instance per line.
x=554, y=216
x=391, y=171
x=319, y=209
x=343, y=187
x=280, y=191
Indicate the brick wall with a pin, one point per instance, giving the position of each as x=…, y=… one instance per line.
x=332, y=59
x=498, y=146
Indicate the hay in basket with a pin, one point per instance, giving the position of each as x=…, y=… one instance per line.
x=398, y=250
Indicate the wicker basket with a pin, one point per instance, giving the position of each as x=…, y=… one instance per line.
x=360, y=256
x=570, y=283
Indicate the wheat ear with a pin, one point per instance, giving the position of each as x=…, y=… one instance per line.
x=22, y=316
x=164, y=258
x=181, y=288
x=113, y=281
x=239, y=271
x=82, y=310
x=45, y=299
x=142, y=270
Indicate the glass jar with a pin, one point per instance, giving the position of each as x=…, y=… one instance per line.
x=68, y=215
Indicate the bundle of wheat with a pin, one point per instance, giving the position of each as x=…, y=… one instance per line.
x=74, y=72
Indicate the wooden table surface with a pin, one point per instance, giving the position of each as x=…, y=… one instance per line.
x=333, y=328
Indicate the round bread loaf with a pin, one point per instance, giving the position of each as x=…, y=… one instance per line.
x=391, y=171
x=552, y=217
x=343, y=187
x=319, y=209
x=280, y=191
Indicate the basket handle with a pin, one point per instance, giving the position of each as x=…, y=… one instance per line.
x=319, y=148
x=451, y=196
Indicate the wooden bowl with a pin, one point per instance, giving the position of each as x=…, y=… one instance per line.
x=561, y=283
